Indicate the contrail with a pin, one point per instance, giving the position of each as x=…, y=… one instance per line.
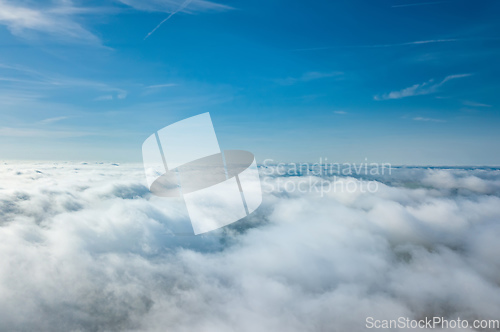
x=181, y=7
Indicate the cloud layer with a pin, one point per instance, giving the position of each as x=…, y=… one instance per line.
x=86, y=247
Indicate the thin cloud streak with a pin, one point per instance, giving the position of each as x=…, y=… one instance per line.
x=105, y=97
x=474, y=104
x=418, y=118
x=39, y=133
x=420, y=89
x=169, y=6
x=159, y=86
x=418, y=42
x=309, y=76
x=52, y=120
x=35, y=81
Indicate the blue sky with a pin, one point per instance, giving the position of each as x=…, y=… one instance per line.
x=404, y=82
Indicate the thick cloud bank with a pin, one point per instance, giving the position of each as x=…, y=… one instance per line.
x=85, y=247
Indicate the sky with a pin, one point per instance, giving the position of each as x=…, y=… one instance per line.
x=401, y=82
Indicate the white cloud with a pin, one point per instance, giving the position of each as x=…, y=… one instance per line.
x=308, y=76
x=38, y=81
x=159, y=86
x=425, y=88
x=54, y=119
x=22, y=17
x=417, y=42
x=474, y=104
x=121, y=94
x=454, y=77
x=43, y=133
x=86, y=247
x=104, y=97
x=171, y=6
x=62, y=20
x=419, y=118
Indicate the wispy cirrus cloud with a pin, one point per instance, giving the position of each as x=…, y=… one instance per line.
x=173, y=6
x=308, y=76
x=104, y=97
x=23, y=19
x=53, y=120
x=43, y=133
x=120, y=94
x=151, y=89
x=429, y=87
x=24, y=79
x=419, y=118
x=417, y=42
x=474, y=104
x=160, y=86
